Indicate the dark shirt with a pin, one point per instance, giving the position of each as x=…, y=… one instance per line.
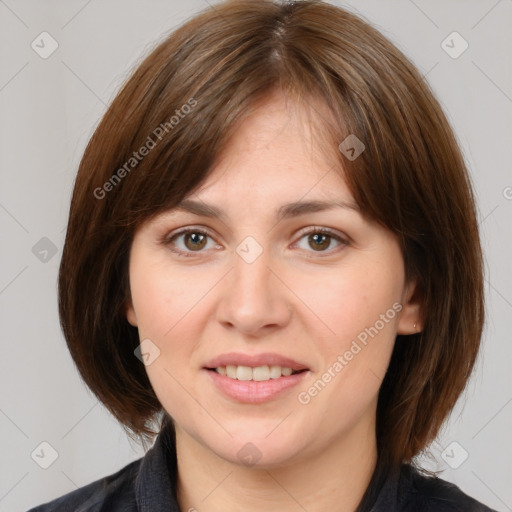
x=149, y=485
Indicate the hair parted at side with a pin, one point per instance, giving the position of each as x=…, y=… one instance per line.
x=411, y=178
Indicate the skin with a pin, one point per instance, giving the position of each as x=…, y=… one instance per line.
x=296, y=299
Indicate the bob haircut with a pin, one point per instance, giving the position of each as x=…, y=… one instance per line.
x=182, y=104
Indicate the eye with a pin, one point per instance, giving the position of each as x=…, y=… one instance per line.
x=192, y=240
x=188, y=241
x=320, y=239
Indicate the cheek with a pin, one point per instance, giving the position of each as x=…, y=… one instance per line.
x=170, y=308
x=359, y=310
x=350, y=300
x=165, y=299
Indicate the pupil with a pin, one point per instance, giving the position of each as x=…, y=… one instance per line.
x=196, y=240
x=316, y=237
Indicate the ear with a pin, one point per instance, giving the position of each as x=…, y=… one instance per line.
x=130, y=313
x=411, y=320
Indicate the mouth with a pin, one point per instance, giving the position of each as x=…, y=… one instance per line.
x=257, y=373
x=255, y=378
x=248, y=389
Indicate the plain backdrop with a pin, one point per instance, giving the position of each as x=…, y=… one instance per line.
x=49, y=108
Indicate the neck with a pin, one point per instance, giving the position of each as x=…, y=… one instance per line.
x=334, y=479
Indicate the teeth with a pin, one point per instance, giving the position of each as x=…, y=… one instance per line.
x=275, y=372
x=260, y=373
x=243, y=373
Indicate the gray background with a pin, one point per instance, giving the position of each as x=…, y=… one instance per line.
x=49, y=108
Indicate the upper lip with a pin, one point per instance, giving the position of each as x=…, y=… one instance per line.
x=253, y=360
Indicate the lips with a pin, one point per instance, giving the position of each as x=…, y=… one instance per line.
x=253, y=391
x=254, y=360
x=254, y=378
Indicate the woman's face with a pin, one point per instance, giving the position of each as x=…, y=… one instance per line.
x=261, y=286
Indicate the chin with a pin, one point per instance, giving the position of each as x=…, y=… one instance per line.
x=261, y=451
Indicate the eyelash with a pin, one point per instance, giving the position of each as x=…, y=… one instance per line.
x=169, y=240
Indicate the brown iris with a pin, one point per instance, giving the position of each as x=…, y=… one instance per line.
x=198, y=241
x=325, y=242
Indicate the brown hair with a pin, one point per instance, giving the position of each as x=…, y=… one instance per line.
x=411, y=178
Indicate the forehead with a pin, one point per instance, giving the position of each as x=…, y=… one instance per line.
x=279, y=152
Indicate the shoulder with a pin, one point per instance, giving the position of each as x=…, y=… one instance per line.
x=422, y=493
x=112, y=493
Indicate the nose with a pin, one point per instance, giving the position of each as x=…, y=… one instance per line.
x=254, y=300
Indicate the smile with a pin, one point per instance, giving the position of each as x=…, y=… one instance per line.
x=258, y=373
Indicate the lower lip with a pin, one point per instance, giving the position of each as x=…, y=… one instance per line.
x=255, y=392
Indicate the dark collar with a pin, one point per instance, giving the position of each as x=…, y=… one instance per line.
x=155, y=485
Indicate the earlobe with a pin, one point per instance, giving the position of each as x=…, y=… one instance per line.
x=130, y=314
x=411, y=319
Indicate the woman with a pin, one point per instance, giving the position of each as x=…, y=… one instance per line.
x=272, y=262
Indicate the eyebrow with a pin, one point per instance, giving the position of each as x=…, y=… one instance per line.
x=286, y=211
